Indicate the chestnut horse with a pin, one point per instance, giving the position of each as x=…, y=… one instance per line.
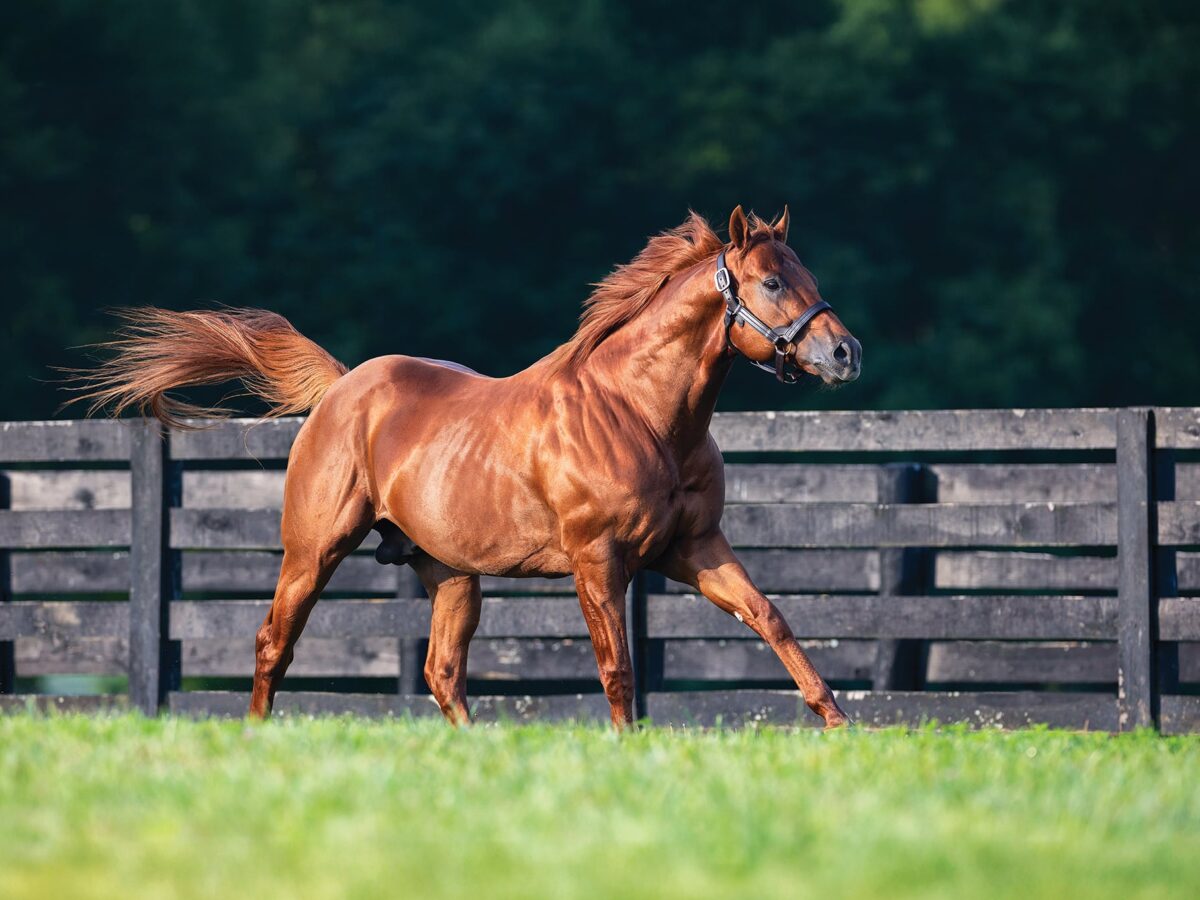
x=595, y=461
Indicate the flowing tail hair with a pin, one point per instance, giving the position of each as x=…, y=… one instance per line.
x=157, y=351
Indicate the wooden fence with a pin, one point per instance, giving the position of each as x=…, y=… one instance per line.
x=1001, y=567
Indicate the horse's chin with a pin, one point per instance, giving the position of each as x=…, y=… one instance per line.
x=831, y=377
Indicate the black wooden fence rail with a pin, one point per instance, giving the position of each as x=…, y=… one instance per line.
x=1000, y=567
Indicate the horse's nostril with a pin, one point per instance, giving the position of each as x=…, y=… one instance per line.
x=842, y=353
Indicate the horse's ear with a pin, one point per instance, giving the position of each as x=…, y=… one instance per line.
x=739, y=228
x=780, y=225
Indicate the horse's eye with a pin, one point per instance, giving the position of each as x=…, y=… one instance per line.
x=771, y=284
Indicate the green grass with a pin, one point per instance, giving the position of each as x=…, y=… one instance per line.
x=123, y=807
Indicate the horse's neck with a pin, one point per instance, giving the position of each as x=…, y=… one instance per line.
x=670, y=362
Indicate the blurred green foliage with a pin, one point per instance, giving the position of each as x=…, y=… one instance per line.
x=998, y=197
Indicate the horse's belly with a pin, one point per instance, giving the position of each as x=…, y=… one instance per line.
x=478, y=524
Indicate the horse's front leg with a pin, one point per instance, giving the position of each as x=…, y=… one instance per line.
x=709, y=564
x=600, y=581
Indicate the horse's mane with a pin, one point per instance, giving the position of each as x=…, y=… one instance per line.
x=625, y=293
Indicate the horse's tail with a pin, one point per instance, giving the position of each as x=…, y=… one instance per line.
x=158, y=351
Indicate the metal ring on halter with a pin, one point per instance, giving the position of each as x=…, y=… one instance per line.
x=783, y=341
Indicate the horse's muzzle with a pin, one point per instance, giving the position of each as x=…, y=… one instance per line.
x=841, y=363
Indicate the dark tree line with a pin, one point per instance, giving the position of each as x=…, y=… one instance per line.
x=999, y=197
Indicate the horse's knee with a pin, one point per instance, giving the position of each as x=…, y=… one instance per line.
x=271, y=657
x=767, y=621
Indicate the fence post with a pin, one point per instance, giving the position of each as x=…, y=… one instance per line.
x=8, y=655
x=1137, y=700
x=150, y=570
x=412, y=659
x=647, y=673
x=899, y=664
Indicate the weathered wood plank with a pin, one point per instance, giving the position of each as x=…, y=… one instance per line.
x=587, y=707
x=70, y=571
x=240, y=439
x=253, y=489
x=233, y=704
x=35, y=618
x=85, y=571
x=315, y=657
x=1179, y=619
x=233, y=529
x=493, y=586
x=1187, y=481
x=934, y=618
x=90, y=703
x=928, y=525
x=73, y=655
x=37, y=529
x=225, y=529
x=1001, y=662
x=744, y=483
x=537, y=659
x=1177, y=428
x=1004, y=429
x=1136, y=628
x=985, y=569
x=977, y=429
x=501, y=617
x=1180, y=714
x=548, y=708
x=1004, y=483
x=253, y=570
x=67, y=440
x=1179, y=522
x=753, y=660
x=495, y=659
x=799, y=483
x=796, y=571
x=231, y=619
x=771, y=525
x=68, y=489
x=1187, y=571
x=1017, y=709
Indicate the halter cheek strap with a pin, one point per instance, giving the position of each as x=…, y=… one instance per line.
x=783, y=340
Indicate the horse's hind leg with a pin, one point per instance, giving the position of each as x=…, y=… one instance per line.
x=456, y=602
x=313, y=545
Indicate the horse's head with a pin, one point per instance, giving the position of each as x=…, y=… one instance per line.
x=773, y=284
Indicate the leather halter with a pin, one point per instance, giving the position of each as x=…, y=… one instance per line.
x=784, y=341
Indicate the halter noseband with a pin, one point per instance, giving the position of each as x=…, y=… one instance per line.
x=783, y=341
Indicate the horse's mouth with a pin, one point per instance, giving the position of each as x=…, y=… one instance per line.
x=832, y=374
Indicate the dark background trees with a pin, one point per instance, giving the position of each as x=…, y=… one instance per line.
x=999, y=197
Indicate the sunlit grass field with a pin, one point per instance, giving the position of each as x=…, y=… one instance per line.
x=124, y=807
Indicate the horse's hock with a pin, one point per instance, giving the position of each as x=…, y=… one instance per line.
x=1000, y=567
